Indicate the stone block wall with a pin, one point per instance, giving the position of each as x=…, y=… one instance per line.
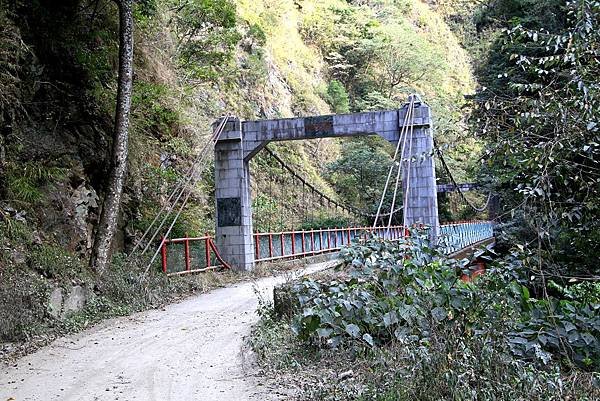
x=418, y=177
x=233, y=233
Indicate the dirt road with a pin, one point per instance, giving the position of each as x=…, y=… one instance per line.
x=191, y=350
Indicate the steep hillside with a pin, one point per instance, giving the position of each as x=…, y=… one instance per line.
x=256, y=59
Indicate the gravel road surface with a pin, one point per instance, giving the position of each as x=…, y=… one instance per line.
x=190, y=350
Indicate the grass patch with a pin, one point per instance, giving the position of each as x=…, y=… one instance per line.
x=22, y=315
x=54, y=262
x=25, y=181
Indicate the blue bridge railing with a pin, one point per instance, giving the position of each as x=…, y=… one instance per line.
x=460, y=235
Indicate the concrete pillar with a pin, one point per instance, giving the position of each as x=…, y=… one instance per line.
x=233, y=201
x=418, y=179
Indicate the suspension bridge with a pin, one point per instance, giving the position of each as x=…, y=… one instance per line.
x=237, y=246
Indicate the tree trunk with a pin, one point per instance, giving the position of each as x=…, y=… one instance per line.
x=112, y=202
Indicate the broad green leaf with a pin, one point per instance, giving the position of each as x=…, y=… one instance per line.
x=324, y=333
x=439, y=313
x=353, y=330
x=390, y=318
x=525, y=293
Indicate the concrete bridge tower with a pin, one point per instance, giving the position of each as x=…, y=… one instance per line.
x=240, y=141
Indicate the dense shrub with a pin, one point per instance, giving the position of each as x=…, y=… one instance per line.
x=207, y=35
x=397, y=324
x=541, y=123
x=337, y=97
x=406, y=292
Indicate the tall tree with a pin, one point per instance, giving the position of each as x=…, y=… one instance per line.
x=541, y=120
x=112, y=202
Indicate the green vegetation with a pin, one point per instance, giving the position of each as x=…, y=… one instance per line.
x=24, y=181
x=541, y=127
x=337, y=97
x=150, y=113
x=55, y=263
x=383, y=50
x=22, y=314
x=379, y=52
x=325, y=221
x=407, y=326
x=207, y=34
x=360, y=171
x=12, y=54
x=31, y=270
x=397, y=323
x=403, y=291
x=419, y=332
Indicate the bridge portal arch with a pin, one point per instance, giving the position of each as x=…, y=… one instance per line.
x=242, y=140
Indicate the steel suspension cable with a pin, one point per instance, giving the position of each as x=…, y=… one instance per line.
x=200, y=163
x=387, y=181
x=194, y=178
x=348, y=208
x=179, y=185
x=462, y=195
x=409, y=112
x=409, y=167
x=183, y=204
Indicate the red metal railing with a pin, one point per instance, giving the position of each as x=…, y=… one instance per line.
x=192, y=255
x=189, y=255
x=283, y=245
x=199, y=254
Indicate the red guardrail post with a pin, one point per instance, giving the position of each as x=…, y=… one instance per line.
x=312, y=241
x=257, y=245
x=293, y=242
x=348, y=236
x=270, y=245
x=163, y=251
x=303, y=244
x=187, y=252
x=282, y=247
x=207, y=249
x=320, y=238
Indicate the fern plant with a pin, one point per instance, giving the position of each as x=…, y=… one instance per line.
x=25, y=180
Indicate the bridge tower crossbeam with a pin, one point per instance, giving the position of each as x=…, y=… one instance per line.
x=242, y=140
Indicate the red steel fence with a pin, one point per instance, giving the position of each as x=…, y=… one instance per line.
x=190, y=255
x=273, y=246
